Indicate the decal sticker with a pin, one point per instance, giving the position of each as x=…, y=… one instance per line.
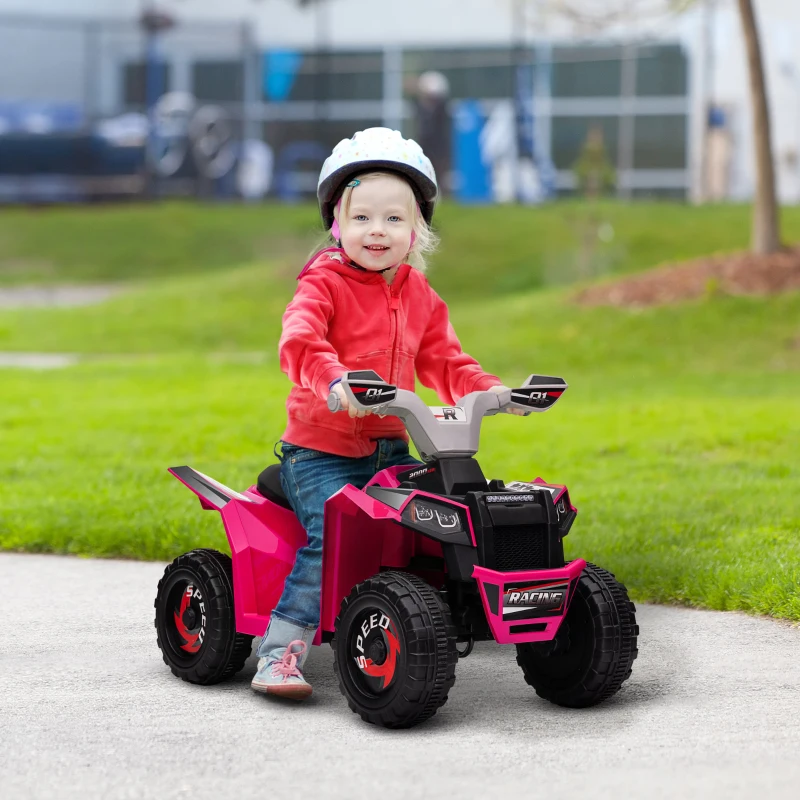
x=418, y=473
x=532, y=599
x=373, y=395
x=449, y=414
x=386, y=669
x=536, y=398
x=194, y=641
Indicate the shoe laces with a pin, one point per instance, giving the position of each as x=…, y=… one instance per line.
x=286, y=665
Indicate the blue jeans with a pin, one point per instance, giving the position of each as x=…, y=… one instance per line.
x=308, y=479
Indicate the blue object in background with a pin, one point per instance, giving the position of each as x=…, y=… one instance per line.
x=717, y=117
x=77, y=155
x=279, y=69
x=471, y=176
x=527, y=146
x=60, y=167
x=288, y=169
x=26, y=116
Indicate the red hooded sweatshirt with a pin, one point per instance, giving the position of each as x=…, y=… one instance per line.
x=343, y=318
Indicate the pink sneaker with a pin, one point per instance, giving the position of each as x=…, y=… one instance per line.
x=281, y=676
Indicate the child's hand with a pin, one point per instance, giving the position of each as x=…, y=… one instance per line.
x=345, y=403
x=499, y=390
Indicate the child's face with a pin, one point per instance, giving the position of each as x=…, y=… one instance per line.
x=377, y=231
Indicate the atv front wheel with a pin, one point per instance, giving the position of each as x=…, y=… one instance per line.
x=395, y=650
x=593, y=650
x=195, y=625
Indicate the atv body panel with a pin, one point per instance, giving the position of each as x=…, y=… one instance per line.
x=370, y=530
x=264, y=539
x=527, y=606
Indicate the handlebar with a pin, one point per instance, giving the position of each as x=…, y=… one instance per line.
x=453, y=430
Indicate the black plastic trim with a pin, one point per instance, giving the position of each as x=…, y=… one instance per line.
x=460, y=560
x=545, y=380
x=566, y=523
x=364, y=375
x=535, y=627
x=208, y=492
x=492, y=596
x=426, y=563
x=394, y=498
x=454, y=475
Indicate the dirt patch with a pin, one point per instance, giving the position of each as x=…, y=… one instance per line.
x=737, y=274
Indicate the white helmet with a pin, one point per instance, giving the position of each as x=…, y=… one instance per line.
x=376, y=148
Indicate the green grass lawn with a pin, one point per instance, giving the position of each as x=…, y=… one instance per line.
x=485, y=250
x=679, y=435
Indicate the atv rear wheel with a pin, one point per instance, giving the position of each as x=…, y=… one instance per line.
x=594, y=649
x=195, y=624
x=395, y=650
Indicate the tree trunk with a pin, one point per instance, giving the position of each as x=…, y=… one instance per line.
x=765, y=234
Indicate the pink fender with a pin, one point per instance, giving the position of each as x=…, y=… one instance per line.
x=354, y=552
x=264, y=539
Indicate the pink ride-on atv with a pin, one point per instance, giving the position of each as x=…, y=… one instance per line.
x=420, y=560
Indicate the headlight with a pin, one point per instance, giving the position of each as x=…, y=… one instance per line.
x=433, y=516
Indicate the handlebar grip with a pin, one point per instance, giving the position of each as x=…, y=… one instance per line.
x=334, y=402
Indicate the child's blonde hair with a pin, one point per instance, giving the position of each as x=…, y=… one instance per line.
x=425, y=241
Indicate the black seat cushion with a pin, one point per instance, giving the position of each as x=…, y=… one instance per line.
x=269, y=486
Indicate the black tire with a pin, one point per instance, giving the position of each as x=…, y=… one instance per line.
x=594, y=650
x=400, y=627
x=197, y=650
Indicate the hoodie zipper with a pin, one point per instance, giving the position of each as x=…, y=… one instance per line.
x=394, y=307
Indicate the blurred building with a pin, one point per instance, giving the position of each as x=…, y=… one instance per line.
x=302, y=75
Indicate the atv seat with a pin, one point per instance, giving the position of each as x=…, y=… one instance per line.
x=269, y=486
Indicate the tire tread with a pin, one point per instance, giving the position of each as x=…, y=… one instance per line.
x=224, y=651
x=615, y=644
x=425, y=619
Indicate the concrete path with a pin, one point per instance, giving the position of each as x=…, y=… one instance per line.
x=88, y=710
x=57, y=295
x=37, y=360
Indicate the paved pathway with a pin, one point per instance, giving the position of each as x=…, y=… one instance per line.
x=88, y=710
x=56, y=296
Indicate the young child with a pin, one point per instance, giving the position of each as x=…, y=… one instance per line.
x=358, y=306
